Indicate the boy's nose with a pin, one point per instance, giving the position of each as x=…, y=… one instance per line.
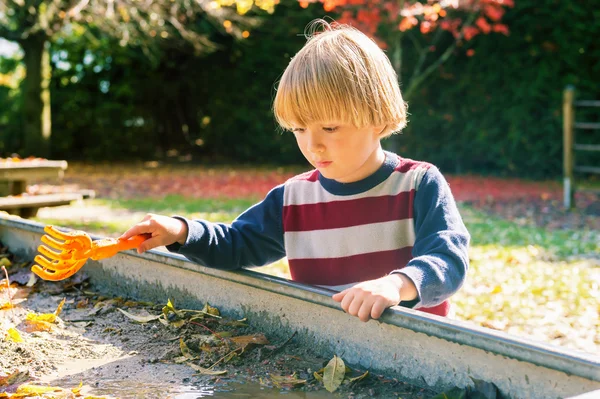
x=314, y=144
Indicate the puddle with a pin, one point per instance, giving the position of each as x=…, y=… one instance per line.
x=130, y=390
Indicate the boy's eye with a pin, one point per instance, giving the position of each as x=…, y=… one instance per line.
x=330, y=129
x=298, y=130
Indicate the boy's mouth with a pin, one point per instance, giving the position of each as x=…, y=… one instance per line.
x=322, y=164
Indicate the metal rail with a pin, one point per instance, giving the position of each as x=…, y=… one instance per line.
x=410, y=345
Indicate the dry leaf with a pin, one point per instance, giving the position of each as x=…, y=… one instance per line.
x=185, y=351
x=334, y=373
x=16, y=377
x=204, y=371
x=211, y=310
x=245, y=340
x=286, y=381
x=14, y=335
x=139, y=319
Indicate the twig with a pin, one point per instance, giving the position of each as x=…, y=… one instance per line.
x=7, y=287
x=282, y=345
x=219, y=361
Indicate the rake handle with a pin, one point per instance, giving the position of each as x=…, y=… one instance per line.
x=109, y=247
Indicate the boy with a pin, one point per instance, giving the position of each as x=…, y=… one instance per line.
x=380, y=229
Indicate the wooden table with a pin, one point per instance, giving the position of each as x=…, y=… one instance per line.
x=14, y=177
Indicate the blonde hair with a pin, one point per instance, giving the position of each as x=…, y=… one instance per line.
x=340, y=75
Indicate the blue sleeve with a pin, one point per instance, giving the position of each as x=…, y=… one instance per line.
x=255, y=238
x=440, y=253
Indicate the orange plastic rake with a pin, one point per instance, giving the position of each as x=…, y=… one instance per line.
x=74, y=250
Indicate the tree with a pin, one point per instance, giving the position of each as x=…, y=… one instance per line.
x=34, y=23
x=394, y=24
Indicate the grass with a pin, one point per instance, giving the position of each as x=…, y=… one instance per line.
x=522, y=279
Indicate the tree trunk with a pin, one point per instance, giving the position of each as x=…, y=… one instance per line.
x=36, y=97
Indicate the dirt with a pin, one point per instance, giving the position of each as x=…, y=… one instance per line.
x=94, y=343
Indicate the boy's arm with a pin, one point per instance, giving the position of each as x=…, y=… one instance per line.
x=255, y=238
x=440, y=252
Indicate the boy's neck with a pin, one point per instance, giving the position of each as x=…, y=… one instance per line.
x=371, y=165
x=388, y=163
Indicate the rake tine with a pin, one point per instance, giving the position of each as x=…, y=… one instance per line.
x=48, y=253
x=47, y=274
x=45, y=263
x=61, y=235
x=57, y=275
x=46, y=239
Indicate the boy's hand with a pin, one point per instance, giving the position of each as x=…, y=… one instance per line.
x=165, y=231
x=369, y=299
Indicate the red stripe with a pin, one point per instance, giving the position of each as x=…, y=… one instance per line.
x=349, y=269
x=407, y=164
x=312, y=176
x=339, y=214
x=340, y=271
x=441, y=310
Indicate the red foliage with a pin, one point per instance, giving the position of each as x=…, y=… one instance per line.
x=479, y=189
x=369, y=15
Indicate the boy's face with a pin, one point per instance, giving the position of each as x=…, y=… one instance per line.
x=341, y=151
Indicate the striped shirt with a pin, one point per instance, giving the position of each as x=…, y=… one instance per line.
x=401, y=219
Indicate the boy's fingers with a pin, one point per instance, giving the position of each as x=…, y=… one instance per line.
x=364, y=313
x=149, y=244
x=377, y=310
x=140, y=228
x=354, y=307
x=339, y=296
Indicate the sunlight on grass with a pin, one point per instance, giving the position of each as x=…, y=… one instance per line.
x=517, y=291
x=487, y=230
x=221, y=209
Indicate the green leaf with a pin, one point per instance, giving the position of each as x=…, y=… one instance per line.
x=334, y=373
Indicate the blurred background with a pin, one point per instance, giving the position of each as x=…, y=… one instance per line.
x=187, y=80
x=165, y=106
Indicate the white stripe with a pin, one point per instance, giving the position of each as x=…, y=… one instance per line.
x=302, y=192
x=348, y=241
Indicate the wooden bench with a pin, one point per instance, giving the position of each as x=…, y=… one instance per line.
x=27, y=206
x=14, y=177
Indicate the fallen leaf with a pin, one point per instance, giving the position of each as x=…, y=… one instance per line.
x=211, y=310
x=286, y=381
x=14, y=335
x=16, y=377
x=360, y=377
x=139, y=319
x=185, y=351
x=334, y=373
x=204, y=371
x=170, y=308
x=244, y=340
x=37, y=389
